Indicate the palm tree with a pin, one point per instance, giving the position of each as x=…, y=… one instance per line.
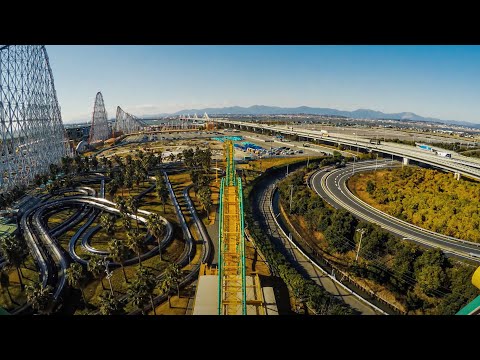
x=108, y=223
x=77, y=163
x=117, y=159
x=66, y=161
x=188, y=157
x=148, y=279
x=205, y=195
x=162, y=191
x=127, y=222
x=206, y=159
x=120, y=180
x=53, y=171
x=174, y=273
x=96, y=267
x=128, y=159
x=138, y=294
x=146, y=162
x=76, y=278
x=159, y=156
x=5, y=283
x=138, y=176
x=40, y=297
x=157, y=228
x=166, y=288
x=104, y=162
x=13, y=249
x=112, y=188
x=129, y=182
x=158, y=177
x=118, y=253
x=95, y=162
x=120, y=204
x=87, y=164
x=132, y=206
x=109, y=305
x=135, y=242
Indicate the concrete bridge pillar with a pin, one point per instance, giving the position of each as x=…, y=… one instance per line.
x=406, y=161
x=457, y=176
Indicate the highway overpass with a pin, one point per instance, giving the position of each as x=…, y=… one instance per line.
x=458, y=164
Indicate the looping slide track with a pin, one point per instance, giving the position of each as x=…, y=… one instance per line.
x=51, y=259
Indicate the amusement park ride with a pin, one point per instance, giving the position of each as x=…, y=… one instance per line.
x=236, y=293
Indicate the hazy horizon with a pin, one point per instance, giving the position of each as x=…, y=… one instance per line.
x=430, y=81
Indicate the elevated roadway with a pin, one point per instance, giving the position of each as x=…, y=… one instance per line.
x=460, y=164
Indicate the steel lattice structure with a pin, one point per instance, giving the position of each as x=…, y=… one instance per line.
x=231, y=248
x=126, y=122
x=32, y=132
x=99, y=130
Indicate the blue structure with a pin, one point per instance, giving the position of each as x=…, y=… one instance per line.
x=425, y=147
x=227, y=138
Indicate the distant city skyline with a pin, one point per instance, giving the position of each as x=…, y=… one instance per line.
x=430, y=81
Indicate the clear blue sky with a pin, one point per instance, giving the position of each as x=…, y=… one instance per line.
x=431, y=81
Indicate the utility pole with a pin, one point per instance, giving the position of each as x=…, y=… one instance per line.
x=361, y=231
x=109, y=274
x=291, y=193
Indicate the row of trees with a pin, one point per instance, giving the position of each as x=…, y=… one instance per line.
x=8, y=198
x=314, y=296
x=140, y=290
x=129, y=171
x=199, y=162
x=423, y=280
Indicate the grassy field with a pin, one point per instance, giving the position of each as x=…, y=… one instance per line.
x=30, y=275
x=60, y=217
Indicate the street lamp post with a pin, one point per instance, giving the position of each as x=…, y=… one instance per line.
x=109, y=274
x=361, y=231
x=291, y=193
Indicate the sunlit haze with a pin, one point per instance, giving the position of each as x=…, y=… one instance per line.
x=430, y=81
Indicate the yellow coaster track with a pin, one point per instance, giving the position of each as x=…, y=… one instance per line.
x=231, y=275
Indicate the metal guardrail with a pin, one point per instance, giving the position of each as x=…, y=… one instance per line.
x=314, y=263
x=404, y=224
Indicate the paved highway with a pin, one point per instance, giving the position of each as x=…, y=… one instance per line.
x=331, y=186
x=262, y=209
x=462, y=164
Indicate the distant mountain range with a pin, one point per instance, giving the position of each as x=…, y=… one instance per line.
x=275, y=110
